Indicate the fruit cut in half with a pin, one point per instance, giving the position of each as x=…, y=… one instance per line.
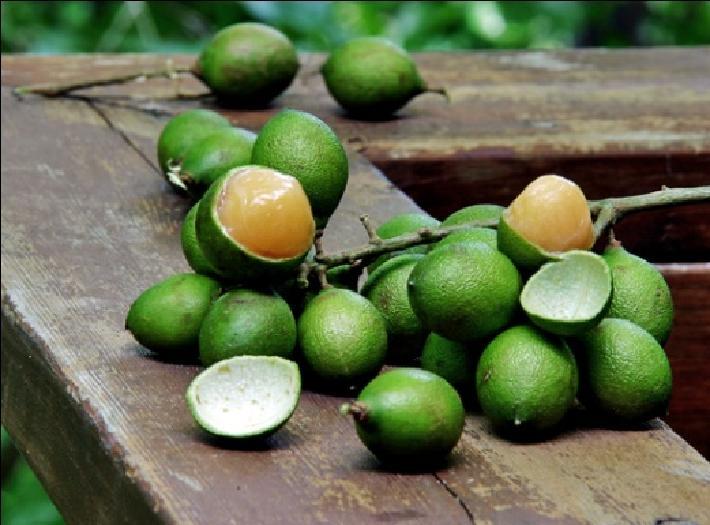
x=568, y=296
x=245, y=396
x=550, y=216
x=255, y=223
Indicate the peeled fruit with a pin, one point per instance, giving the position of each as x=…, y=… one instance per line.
x=302, y=145
x=245, y=397
x=400, y=225
x=526, y=380
x=475, y=212
x=550, y=215
x=247, y=322
x=464, y=291
x=455, y=362
x=408, y=416
x=184, y=130
x=166, y=318
x=640, y=293
x=372, y=77
x=210, y=158
x=191, y=248
x=248, y=64
x=342, y=338
x=255, y=223
x=625, y=372
x=386, y=288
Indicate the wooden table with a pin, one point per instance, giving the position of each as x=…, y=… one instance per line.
x=88, y=223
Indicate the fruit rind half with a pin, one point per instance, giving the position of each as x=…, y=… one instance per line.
x=245, y=396
x=523, y=253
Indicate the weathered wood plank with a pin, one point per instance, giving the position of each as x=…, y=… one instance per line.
x=112, y=231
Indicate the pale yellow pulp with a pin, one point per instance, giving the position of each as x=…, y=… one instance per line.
x=552, y=213
x=267, y=213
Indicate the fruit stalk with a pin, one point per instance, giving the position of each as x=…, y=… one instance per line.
x=61, y=88
x=355, y=409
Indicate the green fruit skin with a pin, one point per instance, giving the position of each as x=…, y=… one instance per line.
x=303, y=146
x=475, y=212
x=191, y=248
x=247, y=322
x=487, y=236
x=372, y=77
x=213, y=156
x=232, y=261
x=526, y=380
x=413, y=416
x=166, y=318
x=640, y=293
x=342, y=338
x=248, y=64
x=524, y=254
x=464, y=291
x=455, y=362
x=184, y=130
x=400, y=225
x=625, y=372
x=386, y=289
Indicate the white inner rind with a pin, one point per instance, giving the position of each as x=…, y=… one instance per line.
x=245, y=395
x=574, y=289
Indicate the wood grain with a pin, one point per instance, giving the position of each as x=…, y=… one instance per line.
x=87, y=223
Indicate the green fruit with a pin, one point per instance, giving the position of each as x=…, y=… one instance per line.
x=184, y=130
x=625, y=372
x=455, y=362
x=485, y=235
x=248, y=64
x=523, y=253
x=166, y=318
x=211, y=157
x=400, y=225
x=226, y=254
x=526, y=380
x=247, y=322
x=342, y=337
x=386, y=289
x=191, y=248
x=245, y=396
x=303, y=146
x=476, y=212
x=464, y=291
x=408, y=416
x=372, y=77
x=568, y=296
x=639, y=294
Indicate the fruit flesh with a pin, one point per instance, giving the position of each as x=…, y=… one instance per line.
x=267, y=212
x=552, y=213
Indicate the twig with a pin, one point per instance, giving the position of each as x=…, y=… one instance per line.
x=372, y=236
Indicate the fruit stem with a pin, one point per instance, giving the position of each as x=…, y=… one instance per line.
x=439, y=91
x=355, y=409
x=62, y=88
x=372, y=236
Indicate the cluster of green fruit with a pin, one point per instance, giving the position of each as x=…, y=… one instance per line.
x=489, y=315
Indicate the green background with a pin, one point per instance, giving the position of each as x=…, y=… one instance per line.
x=70, y=27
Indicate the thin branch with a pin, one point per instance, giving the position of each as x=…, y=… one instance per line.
x=370, y=229
x=663, y=197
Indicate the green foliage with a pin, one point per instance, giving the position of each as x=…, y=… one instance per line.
x=61, y=27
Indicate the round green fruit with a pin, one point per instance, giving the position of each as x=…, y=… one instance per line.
x=455, y=362
x=473, y=213
x=386, y=289
x=247, y=322
x=408, y=417
x=191, y=248
x=487, y=236
x=303, y=146
x=372, y=77
x=464, y=291
x=526, y=380
x=639, y=293
x=342, y=338
x=248, y=64
x=245, y=397
x=255, y=224
x=184, y=130
x=166, y=318
x=400, y=225
x=211, y=157
x=625, y=372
